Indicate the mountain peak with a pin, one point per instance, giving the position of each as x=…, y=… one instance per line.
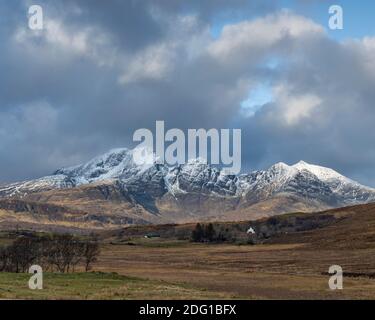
x=281, y=165
x=301, y=163
x=322, y=173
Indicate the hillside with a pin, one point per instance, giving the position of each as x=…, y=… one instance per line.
x=349, y=227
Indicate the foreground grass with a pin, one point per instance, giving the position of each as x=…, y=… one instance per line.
x=96, y=285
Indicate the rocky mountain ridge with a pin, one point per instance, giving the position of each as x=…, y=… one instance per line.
x=193, y=191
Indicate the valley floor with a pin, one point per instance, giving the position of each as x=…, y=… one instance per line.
x=160, y=269
x=96, y=285
x=289, y=265
x=276, y=271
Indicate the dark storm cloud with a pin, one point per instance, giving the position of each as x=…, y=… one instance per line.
x=211, y=9
x=68, y=77
x=98, y=72
x=130, y=22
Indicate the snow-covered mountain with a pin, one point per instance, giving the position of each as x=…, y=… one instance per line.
x=117, y=164
x=199, y=188
x=308, y=181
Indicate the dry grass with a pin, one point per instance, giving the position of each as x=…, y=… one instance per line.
x=275, y=271
x=96, y=286
x=289, y=266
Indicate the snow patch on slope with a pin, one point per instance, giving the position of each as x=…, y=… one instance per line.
x=323, y=173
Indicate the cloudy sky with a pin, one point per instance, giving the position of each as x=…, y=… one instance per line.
x=99, y=70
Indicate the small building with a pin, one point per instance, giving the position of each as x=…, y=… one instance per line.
x=250, y=231
x=152, y=235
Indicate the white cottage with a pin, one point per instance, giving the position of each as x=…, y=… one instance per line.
x=250, y=231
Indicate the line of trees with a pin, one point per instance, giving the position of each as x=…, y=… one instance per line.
x=206, y=233
x=62, y=253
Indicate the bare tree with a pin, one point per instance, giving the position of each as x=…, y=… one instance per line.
x=57, y=252
x=91, y=252
x=4, y=259
x=78, y=249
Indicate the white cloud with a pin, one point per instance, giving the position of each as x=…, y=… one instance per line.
x=365, y=48
x=153, y=63
x=238, y=40
x=57, y=36
x=185, y=42
x=292, y=108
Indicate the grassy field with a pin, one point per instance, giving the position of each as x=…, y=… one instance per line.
x=97, y=285
x=159, y=269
